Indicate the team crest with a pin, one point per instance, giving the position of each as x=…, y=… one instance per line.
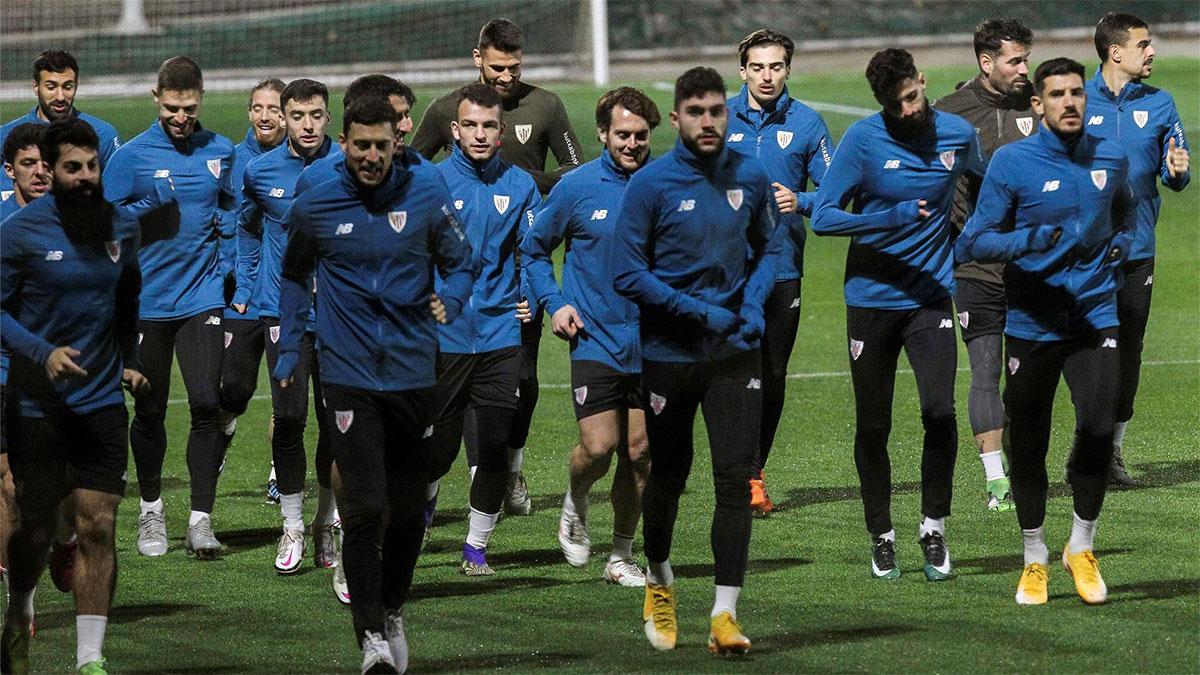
x=214, y=167
x=344, y=419
x=1013, y=364
x=228, y=339
x=274, y=331
x=856, y=347
x=783, y=138
x=501, y=202
x=947, y=158
x=114, y=250
x=397, y=219
x=524, y=131
x=458, y=203
x=734, y=197
x=4, y=196
x=1100, y=178
x=1140, y=117
x=964, y=318
x=1025, y=125
x=657, y=403
x=580, y=395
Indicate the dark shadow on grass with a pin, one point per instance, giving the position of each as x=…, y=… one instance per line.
x=480, y=586
x=169, y=483
x=790, y=640
x=119, y=614
x=807, y=496
x=1164, y=474
x=762, y=566
x=1155, y=589
x=519, y=662
x=540, y=557
x=236, y=541
x=1014, y=562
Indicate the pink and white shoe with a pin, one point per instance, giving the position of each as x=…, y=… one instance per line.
x=290, y=552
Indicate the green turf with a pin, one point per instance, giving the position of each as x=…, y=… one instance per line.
x=808, y=603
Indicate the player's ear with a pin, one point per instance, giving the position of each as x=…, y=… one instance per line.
x=742, y=72
x=921, y=79
x=454, y=131
x=8, y=171
x=1035, y=102
x=674, y=115
x=985, y=63
x=600, y=135
x=477, y=57
x=342, y=142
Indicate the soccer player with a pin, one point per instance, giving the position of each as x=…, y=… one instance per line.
x=1058, y=210
x=374, y=234
x=792, y=142
x=695, y=252
x=55, y=81
x=262, y=236
x=535, y=123
x=1144, y=121
x=69, y=301
x=996, y=103
x=24, y=167
x=601, y=327
x=175, y=178
x=899, y=167
x=480, y=356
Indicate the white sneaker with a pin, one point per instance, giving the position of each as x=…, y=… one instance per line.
x=516, y=500
x=377, y=656
x=290, y=552
x=624, y=573
x=393, y=625
x=152, y=534
x=326, y=544
x=573, y=539
x=340, y=588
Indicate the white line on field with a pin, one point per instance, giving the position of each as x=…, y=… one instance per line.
x=794, y=376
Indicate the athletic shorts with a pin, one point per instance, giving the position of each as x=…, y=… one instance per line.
x=53, y=455
x=486, y=379
x=598, y=387
x=980, y=306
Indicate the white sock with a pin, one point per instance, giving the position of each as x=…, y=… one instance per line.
x=1035, y=547
x=726, y=600
x=196, y=517
x=516, y=459
x=890, y=535
x=472, y=471
x=480, y=528
x=993, y=465
x=931, y=525
x=1119, y=434
x=230, y=426
x=272, y=475
x=20, y=605
x=156, y=506
x=576, y=506
x=660, y=573
x=1083, y=532
x=326, y=507
x=89, y=638
x=622, y=547
x=431, y=489
x=292, y=507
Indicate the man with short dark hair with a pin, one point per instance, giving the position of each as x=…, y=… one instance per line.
x=899, y=167
x=55, y=83
x=601, y=327
x=1057, y=208
x=996, y=103
x=374, y=234
x=68, y=309
x=695, y=251
x=792, y=142
x=1143, y=120
x=174, y=178
x=23, y=166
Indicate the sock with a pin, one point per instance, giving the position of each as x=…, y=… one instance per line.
x=156, y=506
x=20, y=605
x=660, y=573
x=1035, y=547
x=516, y=459
x=292, y=507
x=1082, y=534
x=1119, y=434
x=993, y=465
x=931, y=525
x=431, y=489
x=890, y=535
x=196, y=517
x=576, y=506
x=726, y=600
x=472, y=469
x=272, y=476
x=480, y=528
x=89, y=638
x=326, y=507
x=622, y=547
x=230, y=426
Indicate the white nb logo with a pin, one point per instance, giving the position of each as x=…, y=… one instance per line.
x=276, y=192
x=734, y=138
x=1095, y=120
x=212, y=321
x=754, y=383
x=599, y=214
x=687, y=205
x=892, y=164
x=162, y=173
x=946, y=323
x=1050, y=186
x=1109, y=343
x=345, y=228
x=54, y=255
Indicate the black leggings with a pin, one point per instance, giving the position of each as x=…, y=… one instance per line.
x=876, y=337
x=782, y=311
x=531, y=341
x=198, y=341
x=732, y=407
x=1089, y=365
x=290, y=408
x=240, y=362
x=1133, y=311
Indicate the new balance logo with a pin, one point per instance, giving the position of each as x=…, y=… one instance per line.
x=212, y=321
x=162, y=173
x=1109, y=343
x=1149, y=281
x=344, y=228
x=946, y=323
x=1050, y=186
x=54, y=256
x=599, y=214
x=276, y=192
x=1095, y=120
x=754, y=383
x=428, y=432
x=892, y=164
x=687, y=205
x=795, y=304
x=734, y=138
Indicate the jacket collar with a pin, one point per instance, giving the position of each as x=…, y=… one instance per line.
x=1057, y=144
x=614, y=170
x=1127, y=92
x=741, y=107
x=320, y=154
x=488, y=172
x=996, y=99
x=703, y=164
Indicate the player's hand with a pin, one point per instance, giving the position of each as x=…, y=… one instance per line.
x=720, y=320
x=566, y=322
x=135, y=382
x=285, y=365
x=164, y=190
x=1177, y=159
x=437, y=308
x=524, y=313
x=238, y=307
x=911, y=211
x=785, y=199
x=61, y=365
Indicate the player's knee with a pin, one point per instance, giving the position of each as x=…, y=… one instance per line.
x=872, y=434
x=95, y=527
x=941, y=423
x=732, y=487
x=1092, y=453
x=206, y=413
x=638, y=450
x=235, y=396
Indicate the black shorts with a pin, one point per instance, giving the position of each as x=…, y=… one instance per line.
x=53, y=455
x=486, y=379
x=980, y=306
x=597, y=387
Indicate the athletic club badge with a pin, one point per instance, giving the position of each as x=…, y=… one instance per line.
x=783, y=138
x=1140, y=117
x=228, y=339
x=947, y=158
x=734, y=197
x=524, y=131
x=114, y=250
x=580, y=395
x=214, y=167
x=274, y=331
x=344, y=419
x=458, y=203
x=856, y=347
x=964, y=318
x=501, y=202
x=1100, y=178
x=1025, y=125
x=1013, y=364
x=657, y=403
x=397, y=219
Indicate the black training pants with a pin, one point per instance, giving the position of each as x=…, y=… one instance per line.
x=240, y=362
x=782, y=312
x=290, y=408
x=1133, y=311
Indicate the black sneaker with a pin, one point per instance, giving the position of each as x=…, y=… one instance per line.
x=937, y=557
x=1117, y=475
x=883, y=560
